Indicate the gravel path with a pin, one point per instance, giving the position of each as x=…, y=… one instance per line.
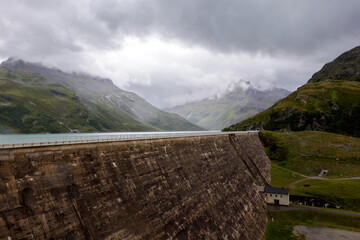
x=323, y=233
x=293, y=184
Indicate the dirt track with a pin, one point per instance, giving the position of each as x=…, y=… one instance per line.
x=293, y=184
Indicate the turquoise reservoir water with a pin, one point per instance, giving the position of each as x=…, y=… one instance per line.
x=35, y=138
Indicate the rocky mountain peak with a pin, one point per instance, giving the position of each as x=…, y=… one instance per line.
x=12, y=61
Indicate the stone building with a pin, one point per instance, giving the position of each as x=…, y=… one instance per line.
x=277, y=196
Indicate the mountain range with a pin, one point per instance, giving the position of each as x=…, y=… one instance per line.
x=330, y=101
x=39, y=99
x=239, y=102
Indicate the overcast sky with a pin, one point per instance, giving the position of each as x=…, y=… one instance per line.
x=175, y=51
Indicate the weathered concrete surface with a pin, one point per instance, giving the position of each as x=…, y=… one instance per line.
x=180, y=188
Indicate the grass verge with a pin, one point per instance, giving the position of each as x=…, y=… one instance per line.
x=281, y=177
x=345, y=193
x=284, y=221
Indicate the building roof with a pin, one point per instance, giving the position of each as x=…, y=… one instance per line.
x=270, y=189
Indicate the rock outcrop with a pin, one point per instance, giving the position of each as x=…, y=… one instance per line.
x=179, y=188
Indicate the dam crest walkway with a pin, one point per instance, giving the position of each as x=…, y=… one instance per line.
x=34, y=140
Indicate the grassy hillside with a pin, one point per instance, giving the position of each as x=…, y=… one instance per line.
x=309, y=152
x=295, y=154
x=345, y=193
x=332, y=106
x=36, y=99
x=284, y=222
x=30, y=104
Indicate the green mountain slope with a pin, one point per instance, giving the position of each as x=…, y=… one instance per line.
x=234, y=105
x=35, y=99
x=344, y=67
x=331, y=105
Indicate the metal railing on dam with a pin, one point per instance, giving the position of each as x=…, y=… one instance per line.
x=33, y=140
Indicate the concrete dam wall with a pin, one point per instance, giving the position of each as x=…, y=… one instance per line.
x=178, y=188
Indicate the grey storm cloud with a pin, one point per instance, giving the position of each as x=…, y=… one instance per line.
x=270, y=26
x=88, y=35
x=228, y=25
